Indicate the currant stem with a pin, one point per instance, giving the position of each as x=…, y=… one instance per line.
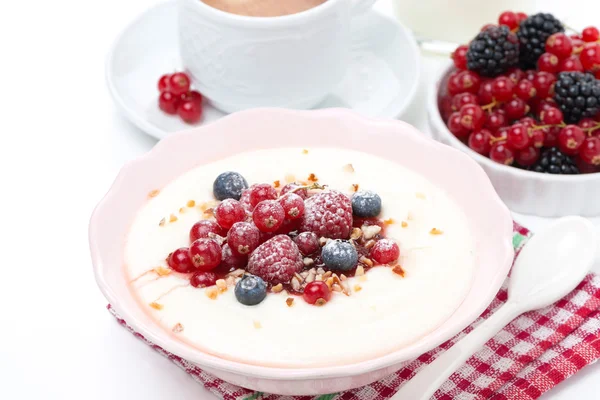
x=489, y=107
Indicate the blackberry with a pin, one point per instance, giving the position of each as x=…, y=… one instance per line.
x=578, y=95
x=493, y=51
x=533, y=33
x=553, y=161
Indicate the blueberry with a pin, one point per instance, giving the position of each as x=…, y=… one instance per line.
x=250, y=290
x=229, y=185
x=366, y=204
x=339, y=255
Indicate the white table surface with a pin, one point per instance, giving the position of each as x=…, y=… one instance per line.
x=62, y=145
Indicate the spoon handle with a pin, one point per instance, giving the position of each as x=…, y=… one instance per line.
x=426, y=382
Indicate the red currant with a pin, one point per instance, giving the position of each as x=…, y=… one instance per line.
x=203, y=229
x=518, y=137
x=268, y=215
x=516, y=108
x=385, y=251
x=445, y=106
x=205, y=254
x=485, y=93
x=190, y=111
x=502, y=88
x=192, y=95
x=243, y=238
x=527, y=156
x=515, y=75
x=590, y=57
x=495, y=121
x=590, y=151
x=168, y=102
x=180, y=260
x=551, y=116
x=578, y=45
x=509, y=19
x=590, y=34
x=589, y=125
x=294, y=188
x=261, y=192
x=228, y=212
x=317, y=293
x=530, y=74
x=463, y=98
x=230, y=261
x=501, y=134
x=544, y=84
x=527, y=122
x=521, y=16
x=571, y=63
x=570, y=139
x=544, y=105
x=307, y=242
x=560, y=45
x=502, y=154
x=538, y=137
x=472, y=117
x=525, y=90
x=468, y=81
x=453, y=84
x=293, y=206
x=179, y=83
x=460, y=57
x=480, y=142
x=456, y=127
x=551, y=136
x=597, y=74
x=202, y=279
x=548, y=62
x=163, y=83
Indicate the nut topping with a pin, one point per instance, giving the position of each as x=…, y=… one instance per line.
x=370, y=231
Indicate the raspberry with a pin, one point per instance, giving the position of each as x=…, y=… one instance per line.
x=243, y=238
x=276, y=260
x=260, y=192
x=328, y=214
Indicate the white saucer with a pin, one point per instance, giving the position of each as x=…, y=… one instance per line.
x=381, y=81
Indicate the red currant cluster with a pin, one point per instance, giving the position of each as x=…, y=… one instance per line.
x=512, y=117
x=176, y=97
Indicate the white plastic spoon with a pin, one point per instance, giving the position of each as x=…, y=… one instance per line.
x=552, y=264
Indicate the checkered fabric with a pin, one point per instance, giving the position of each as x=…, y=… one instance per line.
x=528, y=357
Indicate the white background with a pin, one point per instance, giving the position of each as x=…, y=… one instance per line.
x=62, y=145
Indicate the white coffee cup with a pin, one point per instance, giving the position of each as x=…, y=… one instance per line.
x=292, y=61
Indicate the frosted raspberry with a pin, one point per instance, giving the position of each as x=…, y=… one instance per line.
x=328, y=214
x=276, y=260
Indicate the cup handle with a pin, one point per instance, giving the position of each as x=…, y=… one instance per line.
x=360, y=6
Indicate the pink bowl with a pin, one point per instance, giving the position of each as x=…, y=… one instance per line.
x=450, y=169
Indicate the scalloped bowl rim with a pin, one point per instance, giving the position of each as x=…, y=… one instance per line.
x=159, y=336
x=436, y=117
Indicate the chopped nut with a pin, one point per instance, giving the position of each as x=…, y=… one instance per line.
x=276, y=184
x=404, y=224
x=238, y=273
x=355, y=187
x=327, y=274
x=420, y=195
x=162, y=271
x=356, y=233
x=209, y=211
x=257, y=325
x=367, y=261
x=162, y=222
x=398, y=270
x=329, y=281
x=230, y=280
x=370, y=231
x=348, y=168
x=435, y=231
x=304, y=151
x=304, y=274
x=370, y=244
x=344, y=277
x=318, y=277
x=308, y=261
x=295, y=284
x=172, y=218
x=221, y=285
x=153, y=193
x=389, y=221
x=323, y=241
x=177, y=328
x=312, y=178
x=212, y=292
x=181, y=210
x=289, y=178
x=289, y=301
x=311, y=277
x=362, y=278
x=156, y=306
x=336, y=288
x=360, y=270
x=320, y=271
x=299, y=277
x=191, y=203
x=357, y=288
x=277, y=288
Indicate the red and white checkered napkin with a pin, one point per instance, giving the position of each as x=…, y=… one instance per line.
x=527, y=358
